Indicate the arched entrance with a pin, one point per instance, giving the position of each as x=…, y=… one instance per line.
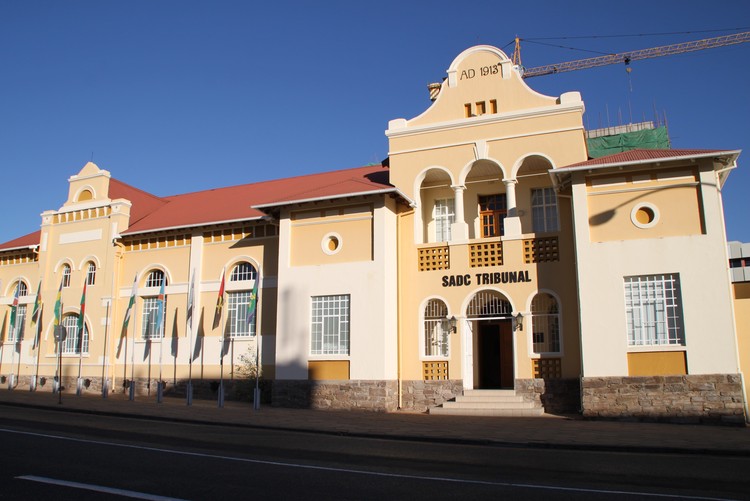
x=489, y=313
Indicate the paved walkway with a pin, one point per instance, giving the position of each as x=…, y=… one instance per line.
x=546, y=431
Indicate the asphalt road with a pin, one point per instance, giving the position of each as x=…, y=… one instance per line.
x=54, y=455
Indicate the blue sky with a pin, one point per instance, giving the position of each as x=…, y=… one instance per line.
x=181, y=96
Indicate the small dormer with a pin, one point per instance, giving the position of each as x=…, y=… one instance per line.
x=90, y=185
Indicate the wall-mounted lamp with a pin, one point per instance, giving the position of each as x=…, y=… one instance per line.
x=449, y=324
x=519, y=321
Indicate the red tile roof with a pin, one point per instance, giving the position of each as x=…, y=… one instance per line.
x=24, y=242
x=639, y=156
x=234, y=203
x=237, y=203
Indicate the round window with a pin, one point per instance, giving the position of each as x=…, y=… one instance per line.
x=331, y=243
x=644, y=215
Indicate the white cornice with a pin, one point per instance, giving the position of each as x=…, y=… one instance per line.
x=487, y=140
x=556, y=109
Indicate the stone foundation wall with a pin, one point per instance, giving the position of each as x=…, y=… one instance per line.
x=421, y=395
x=379, y=396
x=715, y=398
x=556, y=396
x=238, y=390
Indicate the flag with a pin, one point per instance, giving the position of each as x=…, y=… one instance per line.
x=129, y=310
x=37, y=303
x=81, y=321
x=58, y=305
x=219, y=302
x=253, y=303
x=13, y=310
x=160, y=309
x=190, y=300
x=220, y=299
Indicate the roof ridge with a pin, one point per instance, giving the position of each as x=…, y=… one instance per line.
x=275, y=181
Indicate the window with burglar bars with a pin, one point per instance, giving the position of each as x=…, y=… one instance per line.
x=435, y=336
x=237, y=326
x=330, y=325
x=72, y=343
x=654, y=310
x=545, y=323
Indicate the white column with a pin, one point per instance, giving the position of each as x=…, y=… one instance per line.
x=459, y=229
x=512, y=221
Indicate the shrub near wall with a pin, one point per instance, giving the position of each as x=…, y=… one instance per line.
x=715, y=398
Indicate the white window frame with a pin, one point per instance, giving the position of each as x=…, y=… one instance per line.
x=19, y=328
x=436, y=338
x=330, y=325
x=653, y=310
x=66, y=273
x=444, y=214
x=236, y=326
x=149, y=329
x=91, y=274
x=544, y=214
x=70, y=345
x=545, y=325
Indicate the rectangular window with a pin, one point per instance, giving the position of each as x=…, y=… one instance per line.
x=237, y=326
x=492, y=211
x=149, y=329
x=654, y=310
x=544, y=210
x=330, y=325
x=444, y=216
x=436, y=338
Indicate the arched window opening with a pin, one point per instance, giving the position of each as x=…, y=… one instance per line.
x=74, y=343
x=239, y=322
x=17, y=322
x=153, y=312
x=91, y=274
x=488, y=304
x=66, y=276
x=436, y=336
x=545, y=323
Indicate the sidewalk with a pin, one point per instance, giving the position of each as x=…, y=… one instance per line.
x=552, y=432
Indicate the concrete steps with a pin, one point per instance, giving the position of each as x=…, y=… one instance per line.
x=488, y=403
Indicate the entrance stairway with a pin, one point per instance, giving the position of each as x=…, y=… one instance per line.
x=489, y=403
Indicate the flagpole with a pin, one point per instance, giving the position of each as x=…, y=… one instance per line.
x=81, y=327
x=105, y=362
x=159, y=389
x=13, y=330
x=221, y=356
x=38, y=343
x=131, y=389
x=59, y=354
x=191, y=292
x=13, y=356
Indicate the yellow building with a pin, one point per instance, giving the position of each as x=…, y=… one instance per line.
x=487, y=267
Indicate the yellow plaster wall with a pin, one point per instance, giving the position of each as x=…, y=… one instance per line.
x=328, y=370
x=657, y=363
x=311, y=231
x=742, y=324
x=612, y=198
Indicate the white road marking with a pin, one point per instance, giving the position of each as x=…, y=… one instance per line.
x=370, y=473
x=98, y=488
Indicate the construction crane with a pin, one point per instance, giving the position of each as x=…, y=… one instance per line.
x=627, y=57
